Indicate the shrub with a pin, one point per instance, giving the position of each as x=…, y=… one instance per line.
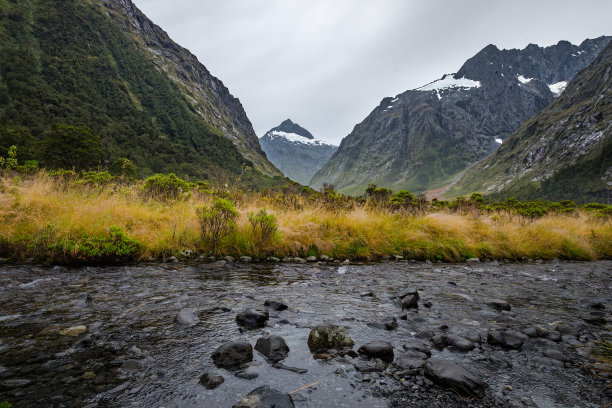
x=28, y=167
x=10, y=162
x=114, y=247
x=378, y=194
x=95, y=178
x=166, y=187
x=123, y=168
x=264, y=225
x=403, y=199
x=217, y=220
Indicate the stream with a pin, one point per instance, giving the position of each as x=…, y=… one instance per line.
x=131, y=351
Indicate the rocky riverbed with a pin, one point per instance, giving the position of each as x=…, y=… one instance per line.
x=424, y=335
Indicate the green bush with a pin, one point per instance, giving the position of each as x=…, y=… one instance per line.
x=403, y=199
x=217, y=221
x=95, y=178
x=10, y=162
x=264, y=225
x=166, y=187
x=114, y=247
x=123, y=168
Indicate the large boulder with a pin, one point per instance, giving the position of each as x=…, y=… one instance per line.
x=273, y=347
x=409, y=299
x=509, y=339
x=266, y=397
x=251, y=319
x=449, y=374
x=377, y=349
x=327, y=337
x=233, y=354
x=187, y=317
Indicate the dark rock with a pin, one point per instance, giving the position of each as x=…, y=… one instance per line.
x=245, y=259
x=245, y=375
x=376, y=365
x=266, y=397
x=132, y=365
x=458, y=342
x=548, y=362
x=411, y=361
x=409, y=298
x=273, y=347
x=377, y=349
x=499, y=304
x=232, y=354
x=292, y=369
x=14, y=383
x=417, y=346
x=252, y=319
x=449, y=374
x=427, y=304
x=211, y=381
x=531, y=332
x=329, y=336
x=275, y=305
x=386, y=324
x=597, y=305
x=187, y=317
x=425, y=334
x=596, y=320
x=510, y=339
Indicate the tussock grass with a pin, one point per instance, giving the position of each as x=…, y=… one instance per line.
x=41, y=216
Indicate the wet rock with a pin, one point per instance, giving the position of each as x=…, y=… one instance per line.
x=311, y=259
x=252, y=319
x=266, y=397
x=211, y=381
x=367, y=293
x=14, y=383
x=275, y=305
x=499, y=305
x=458, y=342
x=597, y=305
x=377, y=349
x=233, y=354
x=228, y=259
x=299, y=260
x=415, y=345
x=547, y=362
x=427, y=304
x=73, y=331
x=389, y=323
x=376, y=365
x=173, y=259
x=531, y=332
x=273, y=347
x=329, y=336
x=292, y=369
x=449, y=374
x=411, y=361
x=324, y=258
x=245, y=259
x=409, y=299
x=187, y=317
x=555, y=354
x=596, y=320
x=246, y=375
x=346, y=262
x=273, y=259
x=425, y=334
x=510, y=339
x=132, y=365
x=472, y=261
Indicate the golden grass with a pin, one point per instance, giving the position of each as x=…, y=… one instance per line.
x=30, y=209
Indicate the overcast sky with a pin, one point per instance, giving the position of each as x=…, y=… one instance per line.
x=326, y=64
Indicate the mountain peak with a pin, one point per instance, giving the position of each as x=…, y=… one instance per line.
x=289, y=126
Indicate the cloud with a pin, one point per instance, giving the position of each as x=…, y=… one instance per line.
x=326, y=64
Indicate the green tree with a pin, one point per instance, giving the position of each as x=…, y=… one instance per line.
x=71, y=147
x=123, y=167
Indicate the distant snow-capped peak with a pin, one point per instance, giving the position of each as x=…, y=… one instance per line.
x=293, y=137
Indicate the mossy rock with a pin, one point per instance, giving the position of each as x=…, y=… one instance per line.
x=329, y=336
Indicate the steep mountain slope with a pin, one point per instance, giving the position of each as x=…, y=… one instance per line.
x=423, y=137
x=564, y=152
x=295, y=151
x=102, y=64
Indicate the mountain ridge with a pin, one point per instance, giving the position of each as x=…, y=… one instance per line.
x=422, y=138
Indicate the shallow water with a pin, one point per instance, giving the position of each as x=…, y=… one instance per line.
x=123, y=307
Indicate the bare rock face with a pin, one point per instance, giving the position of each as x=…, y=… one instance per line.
x=448, y=374
x=427, y=135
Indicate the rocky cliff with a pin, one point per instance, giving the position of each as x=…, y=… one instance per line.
x=564, y=152
x=295, y=151
x=424, y=137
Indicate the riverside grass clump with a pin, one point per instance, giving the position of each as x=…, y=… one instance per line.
x=69, y=217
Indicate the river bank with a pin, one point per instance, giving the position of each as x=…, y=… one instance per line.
x=74, y=222
x=103, y=337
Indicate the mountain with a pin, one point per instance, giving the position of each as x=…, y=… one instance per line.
x=423, y=138
x=564, y=152
x=295, y=151
x=104, y=65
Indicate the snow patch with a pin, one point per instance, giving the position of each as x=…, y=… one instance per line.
x=447, y=82
x=524, y=80
x=498, y=141
x=557, y=88
x=293, y=137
